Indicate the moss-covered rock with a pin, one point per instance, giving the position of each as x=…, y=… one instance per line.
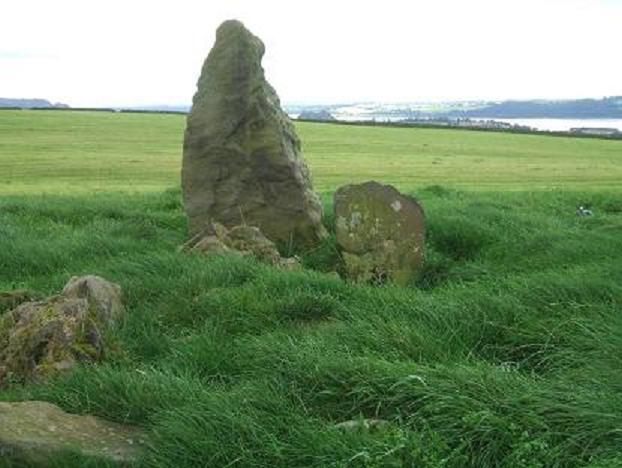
x=31, y=431
x=41, y=338
x=104, y=297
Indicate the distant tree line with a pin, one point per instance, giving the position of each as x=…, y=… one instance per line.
x=520, y=130
x=610, y=107
x=96, y=109
x=364, y=123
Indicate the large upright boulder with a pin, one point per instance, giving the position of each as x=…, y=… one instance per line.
x=242, y=160
x=380, y=232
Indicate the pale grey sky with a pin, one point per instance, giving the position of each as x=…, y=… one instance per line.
x=138, y=52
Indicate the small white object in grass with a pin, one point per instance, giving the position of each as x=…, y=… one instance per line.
x=581, y=211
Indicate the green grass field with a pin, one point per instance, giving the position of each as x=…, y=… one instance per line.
x=507, y=352
x=74, y=152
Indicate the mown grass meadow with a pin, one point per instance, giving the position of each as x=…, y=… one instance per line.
x=507, y=352
x=85, y=152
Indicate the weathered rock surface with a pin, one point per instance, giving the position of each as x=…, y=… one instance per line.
x=104, y=297
x=32, y=430
x=242, y=160
x=380, y=231
x=241, y=240
x=41, y=338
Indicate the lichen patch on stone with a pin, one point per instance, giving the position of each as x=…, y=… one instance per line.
x=396, y=205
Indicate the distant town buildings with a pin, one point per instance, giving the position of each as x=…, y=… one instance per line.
x=596, y=131
x=468, y=123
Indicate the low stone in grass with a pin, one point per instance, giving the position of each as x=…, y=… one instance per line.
x=104, y=297
x=241, y=240
x=381, y=233
x=31, y=431
x=41, y=338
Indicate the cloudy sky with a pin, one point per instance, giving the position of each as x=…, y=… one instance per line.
x=138, y=52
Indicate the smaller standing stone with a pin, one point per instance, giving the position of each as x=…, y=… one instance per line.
x=381, y=233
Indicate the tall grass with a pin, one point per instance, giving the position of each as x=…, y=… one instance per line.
x=507, y=351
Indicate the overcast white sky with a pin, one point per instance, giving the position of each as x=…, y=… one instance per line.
x=138, y=52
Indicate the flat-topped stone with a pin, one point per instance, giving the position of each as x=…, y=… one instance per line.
x=32, y=430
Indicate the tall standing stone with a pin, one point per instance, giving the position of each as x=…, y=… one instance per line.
x=242, y=161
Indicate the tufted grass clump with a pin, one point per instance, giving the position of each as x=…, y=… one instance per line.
x=504, y=353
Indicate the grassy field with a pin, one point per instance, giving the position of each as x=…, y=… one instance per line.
x=507, y=352
x=72, y=152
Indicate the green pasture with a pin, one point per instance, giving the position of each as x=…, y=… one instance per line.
x=505, y=352
x=77, y=152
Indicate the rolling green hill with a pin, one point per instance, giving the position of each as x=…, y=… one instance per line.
x=506, y=352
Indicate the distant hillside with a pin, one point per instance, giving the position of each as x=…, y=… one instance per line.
x=159, y=108
x=31, y=103
x=316, y=115
x=576, y=109
x=610, y=108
